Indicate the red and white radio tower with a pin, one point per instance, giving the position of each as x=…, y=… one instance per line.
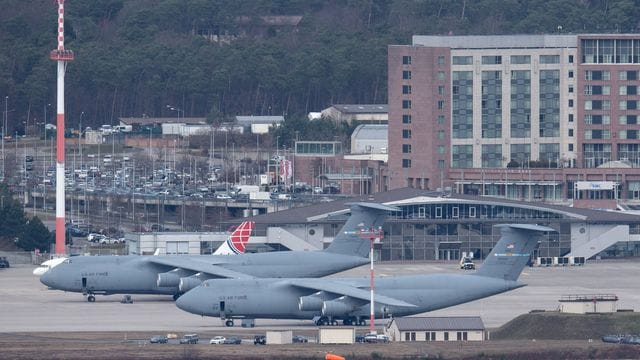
x=61, y=56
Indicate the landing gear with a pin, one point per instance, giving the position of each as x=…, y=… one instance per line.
x=228, y=323
x=362, y=322
x=351, y=320
x=91, y=298
x=322, y=321
x=176, y=296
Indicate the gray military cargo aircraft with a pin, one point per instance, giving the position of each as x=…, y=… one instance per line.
x=348, y=299
x=177, y=274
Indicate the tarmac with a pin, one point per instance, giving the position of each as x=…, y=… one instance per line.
x=28, y=306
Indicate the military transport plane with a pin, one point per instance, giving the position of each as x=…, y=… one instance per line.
x=235, y=244
x=348, y=299
x=177, y=274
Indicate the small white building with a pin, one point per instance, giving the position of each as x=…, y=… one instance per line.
x=336, y=335
x=583, y=304
x=363, y=113
x=456, y=328
x=370, y=139
x=279, y=337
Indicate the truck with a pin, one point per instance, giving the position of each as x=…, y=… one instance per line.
x=246, y=189
x=260, y=195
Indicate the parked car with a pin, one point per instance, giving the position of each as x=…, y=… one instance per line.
x=4, y=263
x=299, y=339
x=189, y=339
x=217, y=340
x=467, y=264
x=28, y=158
x=158, y=339
x=233, y=340
x=95, y=237
x=612, y=338
x=359, y=338
x=376, y=338
x=260, y=340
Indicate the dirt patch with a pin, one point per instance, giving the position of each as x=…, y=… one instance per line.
x=114, y=345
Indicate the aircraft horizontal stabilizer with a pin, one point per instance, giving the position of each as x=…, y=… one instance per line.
x=339, y=289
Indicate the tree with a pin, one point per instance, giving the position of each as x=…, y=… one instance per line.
x=35, y=236
x=11, y=214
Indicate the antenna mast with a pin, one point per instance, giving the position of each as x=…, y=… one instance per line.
x=61, y=56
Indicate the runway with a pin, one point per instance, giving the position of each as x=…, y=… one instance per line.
x=28, y=306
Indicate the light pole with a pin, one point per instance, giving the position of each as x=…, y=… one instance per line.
x=178, y=110
x=4, y=130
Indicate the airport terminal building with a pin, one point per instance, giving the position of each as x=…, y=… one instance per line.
x=438, y=226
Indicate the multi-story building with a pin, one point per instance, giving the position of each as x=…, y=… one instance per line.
x=531, y=117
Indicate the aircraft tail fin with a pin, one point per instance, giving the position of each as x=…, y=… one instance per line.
x=512, y=252
x=364, y=217
x=237, y=241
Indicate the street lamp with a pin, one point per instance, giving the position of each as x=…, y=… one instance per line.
x=174, y=108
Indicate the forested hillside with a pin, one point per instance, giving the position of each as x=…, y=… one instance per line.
x=260, y=57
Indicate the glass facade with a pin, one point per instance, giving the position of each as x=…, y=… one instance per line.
x=442, y=231
x=462, y=108
x=462, y=156
x=521, y=104
x=492, y=156
x=549, y=103
x=610, y=51
x=491, y=104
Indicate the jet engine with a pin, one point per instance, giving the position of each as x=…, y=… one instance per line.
x=337, y=308
x=190, y=282
x=312, y=302
x=171, y=278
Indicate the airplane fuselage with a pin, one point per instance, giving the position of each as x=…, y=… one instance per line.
x=132, y=274
x=276, y=299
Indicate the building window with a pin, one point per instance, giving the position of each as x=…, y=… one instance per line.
x=406, y=60
x=570, y=89
x=406, y=119
x=406, y=148
x=406, y=134
x=570, y=132
x=440, y=75
x=440, y=89
x=461, y=335
x=406, y=89
x=549, y=59
x=446, y=336
x=570, y=59
x=440, y=119
x=440, y=134
x=406, y=163
x=440, y=149
x=440, y=164
x=570, y=148
x=570, y=117
x=462, y=60
x=491, y=60
x=406, y=104
x=440, y=60
x=406, y=75
x=570, y=103
x=440, y=104
x=570, y=74
x=520, y=59
x=430, y=336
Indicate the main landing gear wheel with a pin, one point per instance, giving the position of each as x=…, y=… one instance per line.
x=228, y=323
x=91, y=298
x=362, y=322
x=323, y=321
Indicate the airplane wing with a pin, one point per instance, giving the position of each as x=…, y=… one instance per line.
x=345, y=290
x=198, y=267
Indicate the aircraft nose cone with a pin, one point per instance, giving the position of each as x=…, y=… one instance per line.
x=47, y=279
x=185, y=303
